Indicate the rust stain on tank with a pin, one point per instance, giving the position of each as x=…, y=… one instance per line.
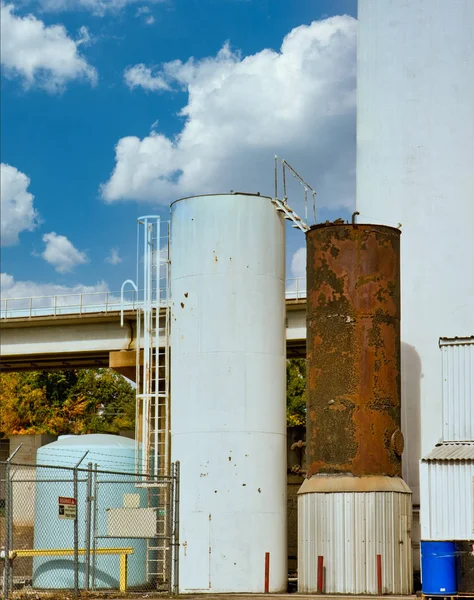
x=353, y=349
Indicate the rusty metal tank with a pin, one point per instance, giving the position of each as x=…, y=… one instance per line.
x=353, y=350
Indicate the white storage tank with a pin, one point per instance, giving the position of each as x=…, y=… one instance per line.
x=228, y=417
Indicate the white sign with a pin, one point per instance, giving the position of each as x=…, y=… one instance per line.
x=67, y=508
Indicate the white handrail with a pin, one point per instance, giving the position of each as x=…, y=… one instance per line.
x=122, y=289
x=95, y=302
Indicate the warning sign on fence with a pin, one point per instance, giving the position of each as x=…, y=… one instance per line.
x=67, y=508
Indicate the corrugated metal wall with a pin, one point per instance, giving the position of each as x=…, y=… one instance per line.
x=458, y=389
x=447, y=500
x=349, y=530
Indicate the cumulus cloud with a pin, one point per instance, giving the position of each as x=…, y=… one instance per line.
x=61, y=253
x=296, y=282
x=144, y=77
x=114, y=258
x=17, y=212
x=10, y=288
x=40, y=55
x=98, y=8
x=298, y=263
x=298, y=103
x=15, y=296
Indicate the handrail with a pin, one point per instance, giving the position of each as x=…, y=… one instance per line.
x=122, y=289
x=98, y=302
x=123, y=553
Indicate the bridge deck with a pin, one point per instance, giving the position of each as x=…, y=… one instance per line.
x=85, y=338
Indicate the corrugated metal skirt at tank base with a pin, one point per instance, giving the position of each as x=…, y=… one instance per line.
x=349, y=521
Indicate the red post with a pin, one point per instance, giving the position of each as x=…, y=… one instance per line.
x=320, y=573
x=267, y=572
x=379, y=574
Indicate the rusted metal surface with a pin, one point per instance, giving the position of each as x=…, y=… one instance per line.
x=353, y=350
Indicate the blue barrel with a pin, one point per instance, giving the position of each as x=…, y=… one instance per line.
x=438, y=568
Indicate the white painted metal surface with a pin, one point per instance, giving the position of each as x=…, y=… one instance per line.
x=447, y=500
x=458, y=388
x=415, y=157
x=228, y=395
x=349, y=530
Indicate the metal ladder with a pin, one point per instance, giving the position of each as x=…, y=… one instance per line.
x=152, y=374
x=152, y=423
x=158, y=452
x=289, y=214
x=282, y=206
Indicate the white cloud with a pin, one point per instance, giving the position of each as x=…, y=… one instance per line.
x=298, y=103
x=142, y=76
x=143, y=11
x=296, y=282
x=98, y=8
x=10, y=288
x=17, y=212
x=60, y=253
x=40, y=55
x=85, y=37
x=298, y=263
x=114, y=258
x=21, y=291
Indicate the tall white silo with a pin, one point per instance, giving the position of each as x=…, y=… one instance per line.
x=228, y=417
x=415, y=166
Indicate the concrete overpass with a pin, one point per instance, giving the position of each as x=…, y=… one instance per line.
x=47, y=333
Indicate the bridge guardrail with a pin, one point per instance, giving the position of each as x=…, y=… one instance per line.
x=97, y=302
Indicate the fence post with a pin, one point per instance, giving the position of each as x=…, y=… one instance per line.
x=8, y=530
x=170, y=519
x=87, y=544
x=8, y=570
x=76, y=528
x=94, y=526
x=176, y=526
x=76, y=539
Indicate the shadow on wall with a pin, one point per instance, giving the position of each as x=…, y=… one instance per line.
x=411, y=428
x=295, y=477
x=411, y=418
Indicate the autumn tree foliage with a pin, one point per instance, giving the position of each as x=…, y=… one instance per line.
x=96, y=401
x=65, y=401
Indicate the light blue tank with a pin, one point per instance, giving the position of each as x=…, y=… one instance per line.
x=111, y=453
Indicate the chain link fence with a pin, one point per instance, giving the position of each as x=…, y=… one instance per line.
x=70, y=531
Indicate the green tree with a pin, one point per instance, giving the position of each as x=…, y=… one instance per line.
x=66, y=401
x=296, y=391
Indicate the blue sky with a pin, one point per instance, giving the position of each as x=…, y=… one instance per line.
x=113, y=108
